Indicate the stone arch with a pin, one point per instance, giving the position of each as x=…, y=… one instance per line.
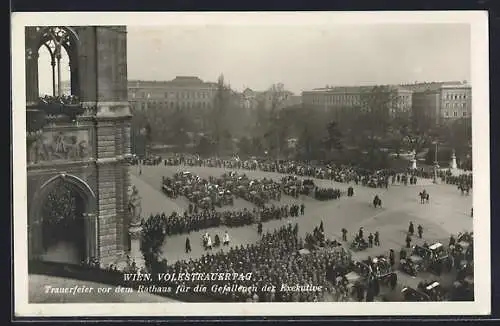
x=90, y=217
x=69, y=40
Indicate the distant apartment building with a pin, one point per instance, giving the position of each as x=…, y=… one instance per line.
x=354, y=98
x=441, y=102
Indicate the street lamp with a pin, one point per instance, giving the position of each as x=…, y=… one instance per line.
x=436, y=164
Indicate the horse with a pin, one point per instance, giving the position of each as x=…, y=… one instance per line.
x=424, y=196
x=377, y=202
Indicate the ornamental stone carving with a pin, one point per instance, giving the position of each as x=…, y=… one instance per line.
x=60, y=146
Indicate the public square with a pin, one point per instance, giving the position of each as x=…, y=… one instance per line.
x=362, y=150
x=447, y=213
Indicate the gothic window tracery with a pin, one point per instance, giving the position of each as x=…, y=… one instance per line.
x=55, y=40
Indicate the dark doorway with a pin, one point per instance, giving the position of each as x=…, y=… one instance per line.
x=63, y=225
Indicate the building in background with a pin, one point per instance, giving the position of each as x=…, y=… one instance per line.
x=456, y=101
x=183, y=92
x=441, y=102
x=353, y=99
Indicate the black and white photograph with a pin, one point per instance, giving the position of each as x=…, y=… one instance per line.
x=166, y=164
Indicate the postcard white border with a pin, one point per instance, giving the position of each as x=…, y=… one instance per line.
x=478, y=21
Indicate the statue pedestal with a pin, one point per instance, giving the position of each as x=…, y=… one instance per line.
x=413, y=164
x=453, y=163
x=135, y=231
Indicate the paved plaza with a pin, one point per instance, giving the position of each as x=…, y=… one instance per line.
x=448, y=212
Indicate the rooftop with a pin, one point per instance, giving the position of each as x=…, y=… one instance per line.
x=177, y=81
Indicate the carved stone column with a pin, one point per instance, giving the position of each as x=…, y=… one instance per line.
x=135, y=232
x=31, y=76
x=91, y=239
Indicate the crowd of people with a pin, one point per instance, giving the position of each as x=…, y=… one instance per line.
x=63, y=99
x=327, y=193
x=462, y=181
x=282, y=256
x=275, y=260
x=337, y=173
x=175, y=223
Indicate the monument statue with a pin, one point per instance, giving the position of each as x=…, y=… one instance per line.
x=453, y=163
x=135, y=206
x=413, y=159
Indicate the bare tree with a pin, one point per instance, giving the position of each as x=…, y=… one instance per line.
x=222, y=101
x=276, y=132
x=378, y=103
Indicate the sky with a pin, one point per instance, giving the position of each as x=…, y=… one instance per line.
x=300, y=57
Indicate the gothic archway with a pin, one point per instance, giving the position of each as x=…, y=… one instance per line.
x=54, y=39
x=62, y=221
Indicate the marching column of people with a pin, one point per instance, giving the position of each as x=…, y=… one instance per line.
x=175, y=223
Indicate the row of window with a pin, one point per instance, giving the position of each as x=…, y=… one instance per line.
x=176, y=95
x=455, y=105
x=348, y=99
x=335, y=99
x=455, y=114
x=144, y=105
x=455, y=97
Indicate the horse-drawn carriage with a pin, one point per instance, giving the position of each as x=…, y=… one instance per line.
x=358, y=244
x=167, y=187
x=373, y=182
x=363, y=273
x=204, y=202
x=308, y=187
x=226, y=197
x=383, y=271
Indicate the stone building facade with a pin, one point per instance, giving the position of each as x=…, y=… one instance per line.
x=442, y=102
x=86, y=145
x=354, y=98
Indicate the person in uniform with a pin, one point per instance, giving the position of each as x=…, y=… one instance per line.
x=420, y=231
x=452, y=241
x=209, y=242
x=402, y=253
x=188, y=246
x=377, y=238
x=259, y=228
x=370, y=240
x=225, y=241
x=302, y=209
x=360, y=233
x=344, y=234
x=391, y=257
x=408, y=240
x=411, y=229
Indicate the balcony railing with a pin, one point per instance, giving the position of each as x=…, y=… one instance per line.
x=66, y=107
x=69, y=106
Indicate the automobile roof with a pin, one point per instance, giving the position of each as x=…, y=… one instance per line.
x=432, y=286
x=435, y=246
